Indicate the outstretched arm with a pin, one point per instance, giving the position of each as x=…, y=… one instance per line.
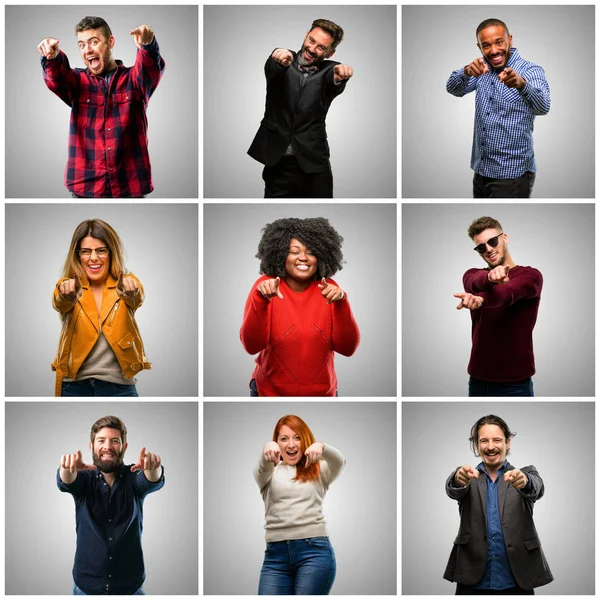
x=58, y=75
x=256, y=325
x=149, y=64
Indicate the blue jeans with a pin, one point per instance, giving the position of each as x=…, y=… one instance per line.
x=96, y=387
x=301, y=567
x=478, y=387
x=254, y=389
x=78, y=592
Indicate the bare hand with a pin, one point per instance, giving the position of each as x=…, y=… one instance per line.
x=341, y=72
x=127, y=286
x=283, y=57
x=314, y=452
x=331, y=293
x=469, y=301
x=147, y=461
x=272, y=453
x=510, y=78
x=499, y=274
x=74, y=462
x=48, y=47
x=477, y=68
x=270, y=288
x=70, y=289
x=144, y=34
x=516, y=478
x=465, y=475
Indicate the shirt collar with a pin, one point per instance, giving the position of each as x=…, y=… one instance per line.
x=481, y=467
x=303, y=69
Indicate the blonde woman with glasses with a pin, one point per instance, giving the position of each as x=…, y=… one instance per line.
x=100, y=349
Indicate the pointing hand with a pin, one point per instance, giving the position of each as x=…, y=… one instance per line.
x=510, y=78
x=74, y=462
x=341, y=72
x=516, y=478
x=477, y=68
x=146, y=462
x=469, y=301
x=143, y=34
x=272, y=453
x=127, y=286
x=283, y=57
x=48, y=47
x=270, y=288
x=331, y=293
x=499, y=274
x=314, y=453
x=70, y=288
x=465, y=475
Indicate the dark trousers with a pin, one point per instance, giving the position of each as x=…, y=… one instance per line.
x=254, y=389
x=487, y=187
x=478, y=387
x=287, y=180
x=468, y=590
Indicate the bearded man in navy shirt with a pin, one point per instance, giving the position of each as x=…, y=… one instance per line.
x=109, y=498
x=510, y=92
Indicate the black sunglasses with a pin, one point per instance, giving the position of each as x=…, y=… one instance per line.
x=492, y=243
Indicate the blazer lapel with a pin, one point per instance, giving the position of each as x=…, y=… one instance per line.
x=502, y=489
x=89, y=306
x=482, y=487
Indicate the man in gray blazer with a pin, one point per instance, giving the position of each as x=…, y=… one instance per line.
x=497, y=549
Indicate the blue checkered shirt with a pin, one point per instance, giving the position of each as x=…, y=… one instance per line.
x=503, y=131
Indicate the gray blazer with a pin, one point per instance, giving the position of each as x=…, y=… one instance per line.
x=523, y=547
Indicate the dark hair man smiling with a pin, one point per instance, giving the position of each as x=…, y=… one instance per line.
x=510, y=92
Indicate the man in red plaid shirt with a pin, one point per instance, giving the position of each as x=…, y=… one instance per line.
x=108, y=131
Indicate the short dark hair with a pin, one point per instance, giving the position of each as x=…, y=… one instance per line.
x=113, y=423
x=491, y=23
x=334, y=30
x=481, y=224
x=94, y=23
x=315, y=233
x=489, y=420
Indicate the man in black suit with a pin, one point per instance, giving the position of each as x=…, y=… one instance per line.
x=497, y=549
x=292, y=140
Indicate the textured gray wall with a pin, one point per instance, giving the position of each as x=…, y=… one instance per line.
x=361, y=123
x=37, y=121
x=557, y=239
x=231, y=236
x=437, y=128
x=40, y=520
x=556, y=437
x=360, y=506
x=161, y=249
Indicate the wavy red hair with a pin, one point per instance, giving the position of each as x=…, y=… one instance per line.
x=307, y=438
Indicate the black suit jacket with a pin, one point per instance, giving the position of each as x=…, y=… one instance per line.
x=295, y=113
x=523, y=547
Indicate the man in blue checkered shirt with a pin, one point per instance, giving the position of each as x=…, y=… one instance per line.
x=510, y=93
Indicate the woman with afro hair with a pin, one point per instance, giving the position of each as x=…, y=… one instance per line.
x=296, y=316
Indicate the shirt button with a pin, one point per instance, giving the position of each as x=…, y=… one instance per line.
x=110, y=558
x=109, y=575
x=110, y=539
x=105, y=484
x=109, y=520
x=109, y=149
x=487, y=113
x=110, y=129
x=490, y=97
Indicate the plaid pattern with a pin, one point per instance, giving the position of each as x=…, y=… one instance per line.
x=108, y=131
x=503, y=132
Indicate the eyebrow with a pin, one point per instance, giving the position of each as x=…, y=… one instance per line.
x=89, y=39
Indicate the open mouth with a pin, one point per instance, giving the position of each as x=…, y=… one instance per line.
x=309, y=56
x=497, y=59
x=94, y=268
x=302, y=267
x=94, y=63
x=292, y=453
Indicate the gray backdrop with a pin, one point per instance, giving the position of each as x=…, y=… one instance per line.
x=361, y=123
x=161, y=249
x=360, y=507
x=231, y=236
x=556, y=437
x=557, y=239
x=437, y=128
x=37, y=121
x=40, y=520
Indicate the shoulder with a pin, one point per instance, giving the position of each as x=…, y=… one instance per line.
x=530, y=272
x=327, y=65
x=473, y=271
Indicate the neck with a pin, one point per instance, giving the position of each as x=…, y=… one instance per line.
x=109, y=477
x=111, y=66
x=297, y=286
x=97, y=285
x=509, y=261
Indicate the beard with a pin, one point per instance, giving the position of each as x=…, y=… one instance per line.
x=301, y=60
x=110, y=465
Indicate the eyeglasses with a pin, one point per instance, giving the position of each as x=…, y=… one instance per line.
x=492, y=243
x=87, y=252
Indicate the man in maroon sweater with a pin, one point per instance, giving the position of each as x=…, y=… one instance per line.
x=503, y=300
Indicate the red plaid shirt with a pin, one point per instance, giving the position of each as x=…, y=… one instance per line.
x=108, y=131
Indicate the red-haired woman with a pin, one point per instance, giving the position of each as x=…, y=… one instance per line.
x=293, y=474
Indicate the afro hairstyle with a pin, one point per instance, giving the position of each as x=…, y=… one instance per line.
x=315, y=233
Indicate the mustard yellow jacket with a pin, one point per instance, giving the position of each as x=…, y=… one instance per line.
x=81, y=329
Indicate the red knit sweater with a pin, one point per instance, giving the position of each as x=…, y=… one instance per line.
x=502, y=328
x=296, y=338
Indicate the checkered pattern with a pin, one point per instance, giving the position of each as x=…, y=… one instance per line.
x=108, y=131
x=503, y=132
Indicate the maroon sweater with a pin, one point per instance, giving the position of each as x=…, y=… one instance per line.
x=296, y=338
x=502, y=328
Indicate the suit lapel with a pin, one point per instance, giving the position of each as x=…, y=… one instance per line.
x=482, y=487
x=502, y=489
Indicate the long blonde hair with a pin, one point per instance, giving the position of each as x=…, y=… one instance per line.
x=101, y=230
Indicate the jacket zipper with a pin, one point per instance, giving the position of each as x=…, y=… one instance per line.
x=114, y=313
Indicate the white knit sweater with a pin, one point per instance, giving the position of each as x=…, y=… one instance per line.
x=294, y=509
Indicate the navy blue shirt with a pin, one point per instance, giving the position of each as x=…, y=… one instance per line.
x=109, y=558
x=497, y=575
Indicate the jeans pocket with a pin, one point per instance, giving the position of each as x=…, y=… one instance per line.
x=319, y=542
